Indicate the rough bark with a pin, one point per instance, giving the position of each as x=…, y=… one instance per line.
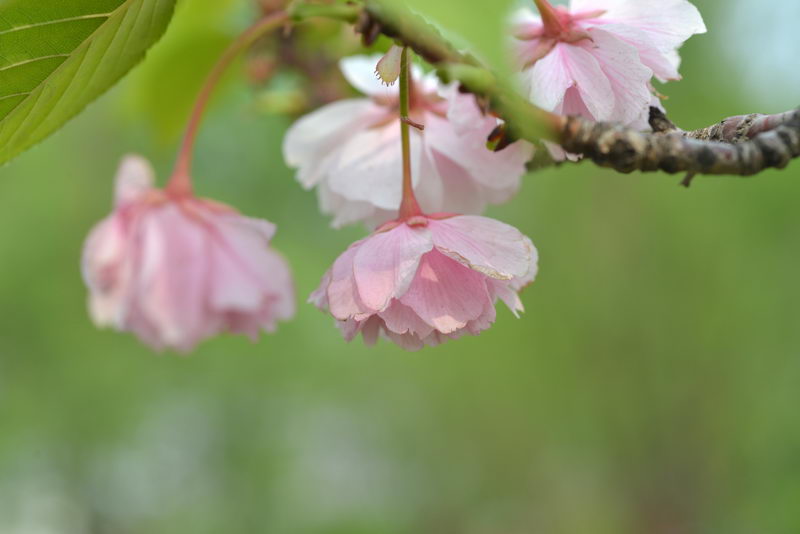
x=627, y=150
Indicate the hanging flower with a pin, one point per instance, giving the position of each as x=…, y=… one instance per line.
x=597, y=58
x=350, y=150
x=175, y=269
x=427, y=279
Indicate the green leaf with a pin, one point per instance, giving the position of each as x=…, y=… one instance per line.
x=482, y=26
x=57, y=56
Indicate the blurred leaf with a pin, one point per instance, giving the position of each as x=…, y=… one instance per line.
x=58, y=56
x=482, y=25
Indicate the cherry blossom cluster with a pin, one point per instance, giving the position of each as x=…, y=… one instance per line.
x=409, y=159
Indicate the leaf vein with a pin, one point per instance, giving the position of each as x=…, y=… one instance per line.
x=58, y=21
x=32, y=60
x=5, y=97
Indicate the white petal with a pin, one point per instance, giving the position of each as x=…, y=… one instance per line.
x=369, y=166
x=310, y=141
x=360, y=73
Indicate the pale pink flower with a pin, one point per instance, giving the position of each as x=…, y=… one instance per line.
x=428, y=279
x=175, y=270
x=597, y=58
x=350, y=150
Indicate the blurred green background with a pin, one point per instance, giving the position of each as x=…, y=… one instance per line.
x=651, y=387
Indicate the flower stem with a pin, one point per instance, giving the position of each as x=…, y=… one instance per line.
x=181, y=182
x=550, y=19
x=409, y=206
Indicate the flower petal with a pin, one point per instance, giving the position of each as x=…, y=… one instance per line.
x=445, y=294
x=657, y=28
x=628, y=76
x=172, y=276
x=310, y=141
x=369, y=166
x=497, y=170
x=135, y=178
x=360, y=73
x=385, y=264
x=400, y=319
x=343, y=299
x=549, y=79
x=485, y=245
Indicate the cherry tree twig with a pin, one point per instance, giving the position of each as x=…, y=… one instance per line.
x=743, y=145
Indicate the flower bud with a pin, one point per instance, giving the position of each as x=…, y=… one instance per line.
x=388, y=68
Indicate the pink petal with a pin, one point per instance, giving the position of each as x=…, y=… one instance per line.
x=593, y=85
x=385, y=263
x=401, y=319
x=629, y=78
x=244, y=271
x=370, y=329
x=464, y=195
x=484, y=245
x=319, y=297
x=657, y=28
x=445, y=294
x=509, y=297
x=104, y=270
x=343, y=298
x=549, y=79
x=498, y=170
x=172, y=277
x=408, y=341
x=429, y=190
x=344, y=211
x=135, y=178
x=664, y=63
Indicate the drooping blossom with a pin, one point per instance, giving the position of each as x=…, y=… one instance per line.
x=177, y=269
x=350, y=150
x=427, y=279
x=597, y=58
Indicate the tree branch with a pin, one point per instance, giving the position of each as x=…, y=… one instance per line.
x=627, y=150
x=743, y=145
x=731, y=130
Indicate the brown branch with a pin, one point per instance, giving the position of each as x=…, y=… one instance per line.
x=627, y=150
x=660, y=123
x=745, y=127
x=731, y=130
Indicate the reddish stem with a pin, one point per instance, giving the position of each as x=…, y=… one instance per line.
x=181, y=182
x=550, y=19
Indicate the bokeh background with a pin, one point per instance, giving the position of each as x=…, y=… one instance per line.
x=651, y=387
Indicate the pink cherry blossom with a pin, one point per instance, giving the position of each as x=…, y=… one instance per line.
x=428, y=279
x=350, y=150
x=597, y=58
x=175, y=270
